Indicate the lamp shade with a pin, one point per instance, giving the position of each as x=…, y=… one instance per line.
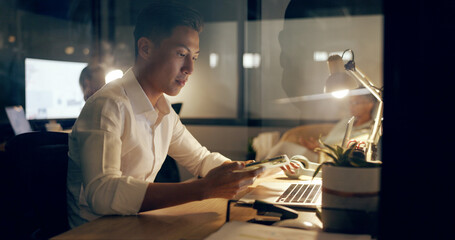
x=339, y=79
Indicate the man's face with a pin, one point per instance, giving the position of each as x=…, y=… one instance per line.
x=360, y=106
x=92, y=85
x=172, y=62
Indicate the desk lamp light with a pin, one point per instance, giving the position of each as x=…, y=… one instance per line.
x=342, y=79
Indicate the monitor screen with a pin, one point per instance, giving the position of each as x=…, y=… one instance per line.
x=52, y=89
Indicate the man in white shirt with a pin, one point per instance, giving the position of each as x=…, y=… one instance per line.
x=127, y=128
x=91, y=80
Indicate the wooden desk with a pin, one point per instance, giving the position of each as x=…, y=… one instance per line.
x=194, y=220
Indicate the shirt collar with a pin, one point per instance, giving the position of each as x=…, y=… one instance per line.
x=139, y=100
x=366, y=125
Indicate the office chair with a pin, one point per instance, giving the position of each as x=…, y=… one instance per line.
x=38, y=162
x=169, y=172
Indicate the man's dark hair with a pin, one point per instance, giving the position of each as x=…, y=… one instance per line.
x=158, y=20
x=87, y=73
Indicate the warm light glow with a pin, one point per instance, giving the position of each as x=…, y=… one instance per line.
x=308, y=224
x=69, y=50
x=339, y=53
x=320, y=56
x=346, y=57
x=11, y=39
x=85, y=51
x=251, y=60
x=213, y=60
x=114, y=74
x=341, y=93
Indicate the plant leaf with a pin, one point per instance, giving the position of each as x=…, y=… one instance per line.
x=328, y=146
x=339, y=151
x=316, y=171
x=328, y=153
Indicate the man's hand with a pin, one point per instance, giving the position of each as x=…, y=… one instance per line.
x=222, y=182
x=309, y=143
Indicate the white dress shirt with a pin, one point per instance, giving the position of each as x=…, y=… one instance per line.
x=117, y=147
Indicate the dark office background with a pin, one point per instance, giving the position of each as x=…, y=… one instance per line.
x=419, y=37
x=417, y=188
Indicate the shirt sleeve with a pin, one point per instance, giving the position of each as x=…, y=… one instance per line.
x=187, y=151
x=99, y=147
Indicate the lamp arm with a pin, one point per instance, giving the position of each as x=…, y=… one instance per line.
x=364, y=76
x=357, y=74
x=373, y=138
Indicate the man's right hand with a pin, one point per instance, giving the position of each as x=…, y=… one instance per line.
x=310, y=143
x=222, y=182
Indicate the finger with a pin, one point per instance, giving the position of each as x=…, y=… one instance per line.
x=289, y=169
x=249, y=161
x=251, y=173
x=294, y=165
x=233, y=165
x=246, y=182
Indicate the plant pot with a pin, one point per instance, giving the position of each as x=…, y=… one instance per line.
x=350, y=198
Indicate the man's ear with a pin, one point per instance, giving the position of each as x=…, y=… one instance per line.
x=145, y=48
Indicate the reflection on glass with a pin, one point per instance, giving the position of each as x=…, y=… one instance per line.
x=297, y=48
x=211, y=91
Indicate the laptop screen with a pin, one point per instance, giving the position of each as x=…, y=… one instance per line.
x=17, y=119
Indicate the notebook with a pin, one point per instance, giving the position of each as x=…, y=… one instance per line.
x=16, y=116
x=295, y=194
x=347, y=134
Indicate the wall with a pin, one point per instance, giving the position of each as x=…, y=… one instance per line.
x=231, y=141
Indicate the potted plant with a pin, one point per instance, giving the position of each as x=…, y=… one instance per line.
x=350, y=189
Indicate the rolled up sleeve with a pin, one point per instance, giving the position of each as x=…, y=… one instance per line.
x=188, y=152
x=106, y=191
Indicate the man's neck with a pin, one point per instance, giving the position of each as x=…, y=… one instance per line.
x=361, y=120
x=151, y=94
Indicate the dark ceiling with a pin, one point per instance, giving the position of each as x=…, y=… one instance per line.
x=212, y=10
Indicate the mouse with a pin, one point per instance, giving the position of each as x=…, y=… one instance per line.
x=297, y=223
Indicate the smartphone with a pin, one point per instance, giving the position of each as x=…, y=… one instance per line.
x=274, y=162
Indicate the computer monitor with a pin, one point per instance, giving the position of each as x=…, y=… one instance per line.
x=52, y=89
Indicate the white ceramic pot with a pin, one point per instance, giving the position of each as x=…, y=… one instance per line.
x=350, y=198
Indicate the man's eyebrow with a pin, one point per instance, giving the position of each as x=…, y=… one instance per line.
x=184, y=46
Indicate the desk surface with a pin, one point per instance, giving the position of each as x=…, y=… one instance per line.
x=194, y=220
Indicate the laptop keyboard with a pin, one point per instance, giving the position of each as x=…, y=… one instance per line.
x=301, y=193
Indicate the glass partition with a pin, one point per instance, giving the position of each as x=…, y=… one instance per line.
x=294, y=49
x=262, y=62
x=294, y=64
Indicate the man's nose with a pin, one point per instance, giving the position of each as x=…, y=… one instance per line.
x=188, y=67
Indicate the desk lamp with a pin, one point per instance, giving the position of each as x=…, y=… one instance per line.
x=342, y=79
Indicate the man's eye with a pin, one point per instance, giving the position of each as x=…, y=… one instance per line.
x=181, y=54
x=195, y=59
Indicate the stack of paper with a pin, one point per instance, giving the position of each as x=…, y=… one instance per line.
x=251, y=231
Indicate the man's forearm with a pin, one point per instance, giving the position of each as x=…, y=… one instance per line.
x=220, y=182
x=161, y=195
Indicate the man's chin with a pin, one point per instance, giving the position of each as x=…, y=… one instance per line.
x=174, y=92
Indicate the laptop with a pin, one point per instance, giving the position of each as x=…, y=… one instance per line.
x=19, y=123
x=296, y=194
